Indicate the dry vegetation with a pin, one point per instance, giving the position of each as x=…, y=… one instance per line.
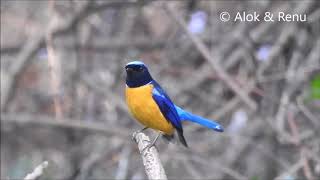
x=62, y=85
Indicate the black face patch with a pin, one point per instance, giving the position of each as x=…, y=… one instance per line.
x=137, y=75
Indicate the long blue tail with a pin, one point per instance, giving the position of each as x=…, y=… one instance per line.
x=186, y=116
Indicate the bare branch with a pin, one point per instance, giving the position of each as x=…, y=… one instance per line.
x=38, y=171
x=34, y=44
x=23, y=59
x=150, y=157
x=30, y=119
x=215, y=65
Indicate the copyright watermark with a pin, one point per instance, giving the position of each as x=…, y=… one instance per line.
x=224, y=16
x=266, y=17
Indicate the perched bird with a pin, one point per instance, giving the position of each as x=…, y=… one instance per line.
x=152, y=107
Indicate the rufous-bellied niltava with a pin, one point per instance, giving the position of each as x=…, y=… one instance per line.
x=152, y=107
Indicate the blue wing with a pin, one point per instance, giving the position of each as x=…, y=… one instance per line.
x=168, y=109
x=166, y=105
x=187, y=116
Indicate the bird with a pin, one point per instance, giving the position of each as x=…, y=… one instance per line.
x=150, y=105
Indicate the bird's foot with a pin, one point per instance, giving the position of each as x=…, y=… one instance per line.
x=147, y=148
x=136, y=132
x=151, y=144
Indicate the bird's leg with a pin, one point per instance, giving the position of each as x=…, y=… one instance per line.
x=152, y=144
x=143, y=129
x=139, y=131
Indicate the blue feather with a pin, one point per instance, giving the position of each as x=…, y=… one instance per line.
x=168, y=109
x=187, y=116
x=166, y=105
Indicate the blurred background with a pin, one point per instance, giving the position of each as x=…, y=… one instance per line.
x=63, y=80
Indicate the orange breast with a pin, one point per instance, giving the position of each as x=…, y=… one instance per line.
x=145, y=109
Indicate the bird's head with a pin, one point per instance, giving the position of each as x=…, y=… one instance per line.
x=137, y=74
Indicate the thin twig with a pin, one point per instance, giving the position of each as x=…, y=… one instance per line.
x=315, y=121
x=54, y=64
x=294, y=168
x=303, y=149
x=14, y=72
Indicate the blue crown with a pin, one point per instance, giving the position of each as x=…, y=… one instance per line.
x=135, y=63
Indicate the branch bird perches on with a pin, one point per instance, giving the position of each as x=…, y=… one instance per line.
x=150, y=157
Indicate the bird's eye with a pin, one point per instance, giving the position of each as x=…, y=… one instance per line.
x=140, y=69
